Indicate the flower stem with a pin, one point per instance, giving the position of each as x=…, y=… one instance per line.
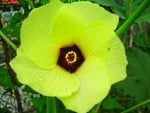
x=132, y=18
x=51, y=105
x=136, y=106
x=9, y=42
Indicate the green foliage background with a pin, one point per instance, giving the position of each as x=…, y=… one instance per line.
x=133, y=90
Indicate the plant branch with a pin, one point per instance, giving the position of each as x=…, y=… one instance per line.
x=133, y=17
x=8, y=41
x=136, y=106
x=12, y=76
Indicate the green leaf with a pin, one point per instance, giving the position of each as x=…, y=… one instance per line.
x=103, y=2
x=43, y=2
x=142, y=40
x=4, y=110
x=14, y=25
x=39, y=103
x=22, y=2
x=16, y=18
x=5, y=80
x=29, y=90
x=137, y=83
x=145, y=17
x=111, y=104
x=115, y=6
x=13, y=30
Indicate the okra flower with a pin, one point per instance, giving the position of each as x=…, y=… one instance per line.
x=70, y=51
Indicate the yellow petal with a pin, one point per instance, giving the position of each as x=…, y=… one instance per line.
x=95, y=85
x=72, y=17
x=116, y=60
x=49, y=82
x=93, y=40
x=36, y=35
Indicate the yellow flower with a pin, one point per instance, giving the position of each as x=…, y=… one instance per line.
x=72, y=52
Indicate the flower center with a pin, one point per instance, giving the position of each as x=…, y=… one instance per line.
x=70, y=58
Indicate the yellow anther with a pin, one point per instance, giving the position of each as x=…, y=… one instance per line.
x=71, y=57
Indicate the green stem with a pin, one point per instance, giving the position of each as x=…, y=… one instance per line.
x=10, y=43
x=136, y=106
x=51, y=105
x=47, y=105
x=132, y=18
